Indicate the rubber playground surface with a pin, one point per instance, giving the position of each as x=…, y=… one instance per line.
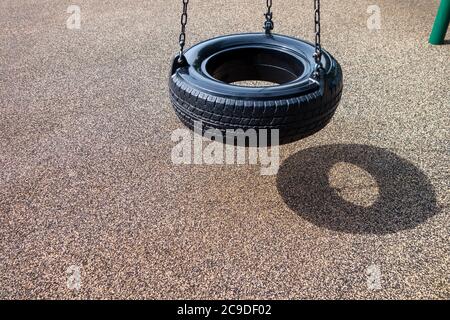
x=359, y=210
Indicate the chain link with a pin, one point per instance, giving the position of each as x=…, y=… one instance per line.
x=318, y=47
x=269, y=25
x=184, y=20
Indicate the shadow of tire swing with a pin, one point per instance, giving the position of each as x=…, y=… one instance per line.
x=406, y=197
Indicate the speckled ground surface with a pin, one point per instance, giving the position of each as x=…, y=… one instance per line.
x=86, y=177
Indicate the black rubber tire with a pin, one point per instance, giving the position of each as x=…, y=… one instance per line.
x=297, y=109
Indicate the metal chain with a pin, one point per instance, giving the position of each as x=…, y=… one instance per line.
x=318, y=50
x=184, y=20
x=269, y=25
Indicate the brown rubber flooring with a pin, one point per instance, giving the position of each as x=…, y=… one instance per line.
x=86, y=177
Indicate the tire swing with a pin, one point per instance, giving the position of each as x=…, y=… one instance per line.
x=203, y=82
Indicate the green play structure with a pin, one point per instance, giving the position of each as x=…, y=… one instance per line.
x=441, y=24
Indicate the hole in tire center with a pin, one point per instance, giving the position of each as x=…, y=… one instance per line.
x=254, y=67
x=254, y=83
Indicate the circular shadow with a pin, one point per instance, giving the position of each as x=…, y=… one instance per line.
x=405, y=200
